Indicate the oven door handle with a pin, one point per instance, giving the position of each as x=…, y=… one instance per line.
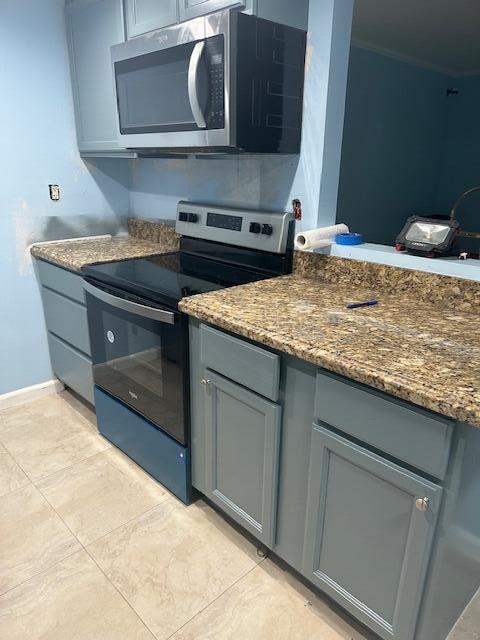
x=192, y=84
x=153, y=313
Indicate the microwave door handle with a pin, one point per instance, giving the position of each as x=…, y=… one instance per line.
x=142, y=310
x=192, y=84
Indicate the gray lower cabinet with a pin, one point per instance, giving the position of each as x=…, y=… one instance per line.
x=66, y=320
x=71, y=367
x=147, y=15
x=242, y=438
x=368, y=535
x=371, y=499
x=93, y=26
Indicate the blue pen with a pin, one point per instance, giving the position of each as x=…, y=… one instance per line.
x=356, y=305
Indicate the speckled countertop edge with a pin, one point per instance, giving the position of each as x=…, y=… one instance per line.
x=463, y=406
x=146, y=239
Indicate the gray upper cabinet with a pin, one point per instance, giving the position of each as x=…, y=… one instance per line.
x=368, y=534
x=93, y=26
x=295, y=14
x=194, y=8
x=242, y=438
x=143, y=16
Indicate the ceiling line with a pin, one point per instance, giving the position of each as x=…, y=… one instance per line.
x=401, y=57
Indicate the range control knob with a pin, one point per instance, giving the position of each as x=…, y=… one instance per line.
x=255, y=227
x=267, y=229
x=183, y=216
x=193, y=217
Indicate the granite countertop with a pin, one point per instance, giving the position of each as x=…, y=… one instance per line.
x=145, y=239
x=423, y=353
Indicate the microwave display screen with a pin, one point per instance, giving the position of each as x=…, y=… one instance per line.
x=221, y=221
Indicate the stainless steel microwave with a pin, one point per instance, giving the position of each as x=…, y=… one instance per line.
x=223, y=82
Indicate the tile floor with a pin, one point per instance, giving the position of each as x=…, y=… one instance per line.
x=92, y=548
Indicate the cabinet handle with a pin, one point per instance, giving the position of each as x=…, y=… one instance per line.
x=422, y=504
x=205, y=382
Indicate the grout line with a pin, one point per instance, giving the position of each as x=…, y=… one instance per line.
x=70, y=466
x=39, y=573
x=121, y=594
x=215, y=599
x=84, y=548
x=139, y=515
x=49, y=475
x=124, y=524
x=130, y=606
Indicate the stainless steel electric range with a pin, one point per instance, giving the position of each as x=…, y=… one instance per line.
x=139, y=339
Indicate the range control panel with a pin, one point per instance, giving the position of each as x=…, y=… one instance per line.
x=241, y=227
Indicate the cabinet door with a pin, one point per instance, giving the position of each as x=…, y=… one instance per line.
x=147, y=15
x=194, y=8
x=367, y=541
x=93, y=26
x=242, y=436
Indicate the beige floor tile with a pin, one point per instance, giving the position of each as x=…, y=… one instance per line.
x=70, y=601
x=101, y=493
x=173, y=561
x=47, y=407
x=468, y=625
x=32, y=536
x=48, y=435
x=11, y=475
x=268, y=604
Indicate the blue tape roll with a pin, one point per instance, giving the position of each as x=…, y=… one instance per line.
x=349, y=238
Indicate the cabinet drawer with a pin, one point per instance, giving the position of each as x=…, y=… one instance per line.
x=416, y=436
x=71, y=367
x=61, y=280
x=240, y=361
x=66, y=319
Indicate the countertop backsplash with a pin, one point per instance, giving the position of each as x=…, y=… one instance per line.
x=441, y=291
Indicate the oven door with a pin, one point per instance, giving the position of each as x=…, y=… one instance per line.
x=140, y=356
x=172, y=86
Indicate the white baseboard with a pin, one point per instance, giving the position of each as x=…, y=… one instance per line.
x=27, y=394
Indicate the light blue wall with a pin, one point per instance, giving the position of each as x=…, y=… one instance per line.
x=38, y=147
x=270, y=182
x=395, y=123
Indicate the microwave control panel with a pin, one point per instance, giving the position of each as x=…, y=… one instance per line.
x=215, y=57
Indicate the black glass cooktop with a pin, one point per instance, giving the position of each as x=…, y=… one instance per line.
x=170, y=277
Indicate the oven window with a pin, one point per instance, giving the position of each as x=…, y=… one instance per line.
x=152, y=91
x=141, y=362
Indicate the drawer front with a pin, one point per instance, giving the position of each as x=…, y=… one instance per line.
x=161, y=456
x=420, y=438
x=66, y=319
x=61, y=280
x=71, y=367
x=240, y=361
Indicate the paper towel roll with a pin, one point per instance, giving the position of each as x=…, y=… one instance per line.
x=317, y=238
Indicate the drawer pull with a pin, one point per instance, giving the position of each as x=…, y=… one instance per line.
x=422, y=504
x=205, y=382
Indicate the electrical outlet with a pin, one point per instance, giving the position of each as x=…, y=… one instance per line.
x=54, y=190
